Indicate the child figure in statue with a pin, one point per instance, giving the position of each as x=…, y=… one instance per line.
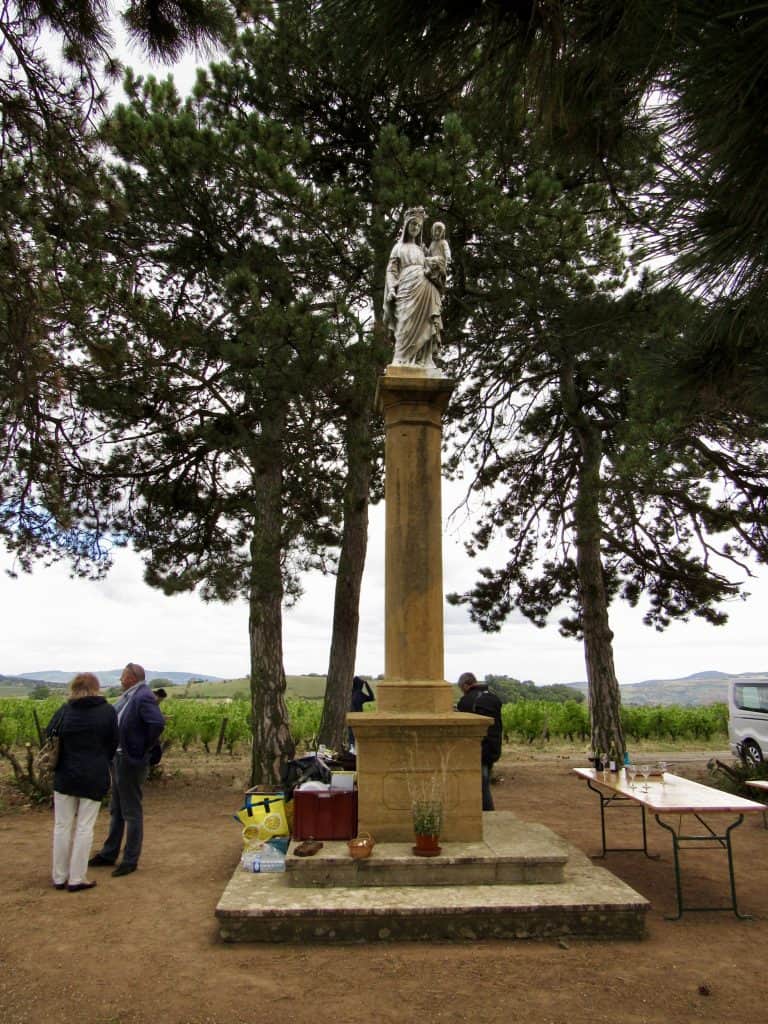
x=438, y=257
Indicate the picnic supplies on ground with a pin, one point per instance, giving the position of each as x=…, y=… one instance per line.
x=308, y=848
x=324, y=815
x=312, y=768
x=251, y=840
x=343, y=781
x=264, y=816
x=266, y=857
x=362, y=846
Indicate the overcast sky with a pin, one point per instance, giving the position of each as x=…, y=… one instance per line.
x=49, y=621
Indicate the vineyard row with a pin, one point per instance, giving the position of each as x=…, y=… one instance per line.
x=222, y=726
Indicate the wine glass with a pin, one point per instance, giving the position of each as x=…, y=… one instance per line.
x=663, y=768
x=645, y=771
x=631, y=773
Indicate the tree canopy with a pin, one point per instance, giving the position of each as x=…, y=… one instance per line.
x=191, y=323
x=56, y=64
x=596, y=71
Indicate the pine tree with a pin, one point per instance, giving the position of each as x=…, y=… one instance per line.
x=56, y=65
x=596, y=71
x=294, y=70
x=599, y=484
x=209, y=354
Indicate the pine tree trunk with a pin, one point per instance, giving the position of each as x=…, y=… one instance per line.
x=272, y=741
x=604, y=693
x=346, y=607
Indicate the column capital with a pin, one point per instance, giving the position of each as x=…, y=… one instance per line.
x=411, y=385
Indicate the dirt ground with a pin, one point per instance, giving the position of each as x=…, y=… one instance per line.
x=144, y=949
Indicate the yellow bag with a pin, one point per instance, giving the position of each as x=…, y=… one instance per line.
x=263, y=817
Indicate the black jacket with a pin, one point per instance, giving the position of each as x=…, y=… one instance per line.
x=482, y=701
x=88, y=741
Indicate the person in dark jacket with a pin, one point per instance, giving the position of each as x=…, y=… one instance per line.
x=140, y=724
x=362, y=694
x=479, y=700
x=87, y=730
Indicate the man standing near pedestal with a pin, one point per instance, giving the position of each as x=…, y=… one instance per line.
x=140, y=724
x=479, y=700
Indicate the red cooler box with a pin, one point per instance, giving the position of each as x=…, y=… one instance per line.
x=324, y=815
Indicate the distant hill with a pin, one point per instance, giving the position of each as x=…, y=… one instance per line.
x=309, y=687
x=21, y=680
x=698, y=688
x=16, y=686
x=107, y=677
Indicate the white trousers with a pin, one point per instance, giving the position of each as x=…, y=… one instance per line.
x=75, y=817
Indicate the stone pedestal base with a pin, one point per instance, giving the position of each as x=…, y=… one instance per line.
x=405, y=756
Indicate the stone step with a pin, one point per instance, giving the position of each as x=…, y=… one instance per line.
x=589, y=903
x=511, y=852
x=585, y=901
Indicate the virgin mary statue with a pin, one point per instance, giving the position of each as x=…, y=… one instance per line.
x=412, y=301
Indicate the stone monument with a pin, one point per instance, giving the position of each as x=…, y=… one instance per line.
x=415, y=743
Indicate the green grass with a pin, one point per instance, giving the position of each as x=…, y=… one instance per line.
x=308, y=687
x=10, y=690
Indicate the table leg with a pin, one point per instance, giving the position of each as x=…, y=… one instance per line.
x=723, y=841
x=616, y=801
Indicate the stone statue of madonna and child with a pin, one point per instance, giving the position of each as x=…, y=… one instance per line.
x=413, y=292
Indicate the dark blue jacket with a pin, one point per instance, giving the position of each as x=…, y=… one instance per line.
x=482, y=701
x=361, y=694
x=88, y=739
x=140, y=725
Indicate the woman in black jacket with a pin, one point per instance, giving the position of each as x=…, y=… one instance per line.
x=87, y=729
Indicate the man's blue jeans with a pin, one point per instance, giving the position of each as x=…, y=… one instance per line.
x=486, y=782
x=125, y=811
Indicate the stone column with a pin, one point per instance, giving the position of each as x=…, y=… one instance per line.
x=413, y=407
x=415, y=741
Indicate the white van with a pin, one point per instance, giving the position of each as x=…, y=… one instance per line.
x=748, y=719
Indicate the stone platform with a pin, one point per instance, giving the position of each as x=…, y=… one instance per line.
x=522, y=881
x=512, y=852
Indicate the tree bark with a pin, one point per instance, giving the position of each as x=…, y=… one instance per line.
x=604, y=694
x=272, y=741
x=354, y=544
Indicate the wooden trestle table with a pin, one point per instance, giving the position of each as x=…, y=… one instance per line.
x=676, y=803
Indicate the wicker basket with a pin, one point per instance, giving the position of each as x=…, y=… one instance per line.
x=361, y=846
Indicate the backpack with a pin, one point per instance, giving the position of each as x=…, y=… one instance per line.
x=488, y=704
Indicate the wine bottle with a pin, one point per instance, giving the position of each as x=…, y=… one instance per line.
x=613, y=759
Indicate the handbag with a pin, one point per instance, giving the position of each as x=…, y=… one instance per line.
x=263, y=817
x=47, y=758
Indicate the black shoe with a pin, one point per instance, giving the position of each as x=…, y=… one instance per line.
x=80, y=886
x=97, y=861
x=123, y=869
x=59, y=885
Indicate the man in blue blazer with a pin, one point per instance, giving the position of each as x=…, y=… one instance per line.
x=140, y=724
